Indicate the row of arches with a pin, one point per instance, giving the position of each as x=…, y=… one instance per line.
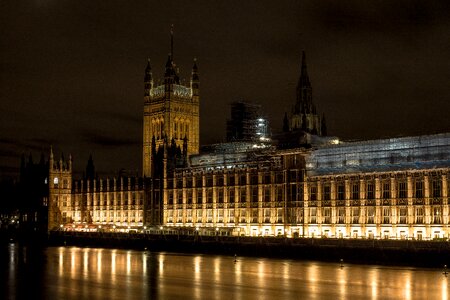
x=158, y=128
x=180, y=128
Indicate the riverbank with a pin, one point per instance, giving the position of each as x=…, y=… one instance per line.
x=360, y=251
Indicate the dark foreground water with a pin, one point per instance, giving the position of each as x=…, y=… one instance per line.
x=91, y=273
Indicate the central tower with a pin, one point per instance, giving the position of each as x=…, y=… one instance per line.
x=171, y=111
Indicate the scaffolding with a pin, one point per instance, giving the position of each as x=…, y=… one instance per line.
x=247, y=124
x=418, y=152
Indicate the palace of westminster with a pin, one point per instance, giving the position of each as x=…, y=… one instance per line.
x=297, y=183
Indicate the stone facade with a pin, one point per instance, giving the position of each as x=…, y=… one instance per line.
x=171, y=112
x=392, y=188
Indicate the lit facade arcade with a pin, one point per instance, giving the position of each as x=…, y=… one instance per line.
x=396, y=189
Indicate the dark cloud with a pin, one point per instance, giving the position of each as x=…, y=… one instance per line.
x=71, y=73
x=97, y=139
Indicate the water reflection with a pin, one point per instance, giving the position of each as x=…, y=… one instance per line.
x=444, y=285
x=74, y=273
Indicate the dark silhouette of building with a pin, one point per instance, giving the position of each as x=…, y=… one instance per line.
x=304, y=115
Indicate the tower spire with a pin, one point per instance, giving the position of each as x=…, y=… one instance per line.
x=304, y=90
x=304, y=78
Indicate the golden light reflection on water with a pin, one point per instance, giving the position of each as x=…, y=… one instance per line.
x=161, y=263
x=408, y=286
x=286, y=271
x=311, y=272
x=85, y=261
x=373, y=279
x=61, y=261
x=197, y=265
x=342, y=280
x=144, y=264
x=128, y=263
x=237, y=272
x=444, y=285
x=75, y=273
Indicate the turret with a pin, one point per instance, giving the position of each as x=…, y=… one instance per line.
x=195, y=81
x=90, y=169
x=60, y=185
x=148, y=80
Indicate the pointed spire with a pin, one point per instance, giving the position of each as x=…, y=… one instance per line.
x=304, y=78
x=304, y=90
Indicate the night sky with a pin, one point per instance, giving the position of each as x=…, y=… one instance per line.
x=71, y=72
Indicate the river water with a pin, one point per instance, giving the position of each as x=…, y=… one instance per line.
x=94, y=273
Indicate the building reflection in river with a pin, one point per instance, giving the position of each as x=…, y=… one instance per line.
x=74, y=273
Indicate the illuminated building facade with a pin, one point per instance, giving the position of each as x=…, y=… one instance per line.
x=171, y=112
x=393, y=188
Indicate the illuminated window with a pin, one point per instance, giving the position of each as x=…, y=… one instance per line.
x=243, y=195
x=355, y=191
x=254, y=195
x=254, y=216
x=189, y=197
x=341, y=191
x=355, y=215
x=279, y=194
x=220, y=195
x=370, y=192
x=436, y=185
x=386, y=190
x=370, y=215
x=341, y=215
x=209, y=196
x=437, y=215
x=403, y=215
x=402, y=191
x=313, y=193
x=327, y=215
x=313, y=215
x=56, y=181
x=326, y=192
x=231, y=196
x=419, y=189
x=386, y=215
x=267, y=194
x=170, y=200
x=179, y=197
x=199, y=196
